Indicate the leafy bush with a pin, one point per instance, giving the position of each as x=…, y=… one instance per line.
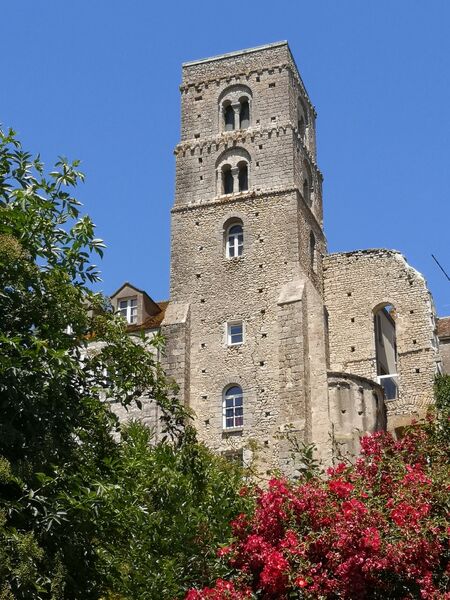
x=377, y=529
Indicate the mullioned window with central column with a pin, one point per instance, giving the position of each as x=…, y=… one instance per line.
x=235, y=107
x=233, y=171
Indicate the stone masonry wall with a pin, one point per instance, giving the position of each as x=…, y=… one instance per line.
x=247, y=288
x=277, y=152
x=176, y=359
x=275, y=287
x=148, y=411
x=356, y=408
x=356, y=283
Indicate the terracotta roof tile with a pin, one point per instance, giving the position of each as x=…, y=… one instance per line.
x=443, y=327
x=152, y=322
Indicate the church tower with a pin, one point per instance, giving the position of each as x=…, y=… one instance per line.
x=246, y=325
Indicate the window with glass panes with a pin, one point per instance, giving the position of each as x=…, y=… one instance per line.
x=128, y=309
x=235, y=333
x=235, y=241
x=233, y=408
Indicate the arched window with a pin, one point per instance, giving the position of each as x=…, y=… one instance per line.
x=233, y=171
x=235, y=241
x=302, y=118
x=227, y=180
x=243, y=176
x=312, y=250
x=228, y=115
x=386, y=349
x=244, y=114
x=234, y=104
x=233, y=407
x=306, y=192
x=301, y=127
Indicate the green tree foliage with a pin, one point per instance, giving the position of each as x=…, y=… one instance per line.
x=442, y=394
x=86, y=512
x=170, y=508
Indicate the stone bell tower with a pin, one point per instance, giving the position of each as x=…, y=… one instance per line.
x=246, y=326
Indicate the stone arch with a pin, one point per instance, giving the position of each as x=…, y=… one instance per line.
x=233, y=163
x=238, y=98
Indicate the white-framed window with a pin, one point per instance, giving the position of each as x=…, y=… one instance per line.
x=233, y=407
x=235, y=241
x=128, y=309
x=235, y=333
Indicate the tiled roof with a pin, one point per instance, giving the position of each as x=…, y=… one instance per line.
x=443, y=327
x=152, y=322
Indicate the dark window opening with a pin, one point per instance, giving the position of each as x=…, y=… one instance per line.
x=301, y=127
x=229, y=118
x=244, y=115
x=306, y=192
x=243, y=177
x=312, y=250
x=228, y=182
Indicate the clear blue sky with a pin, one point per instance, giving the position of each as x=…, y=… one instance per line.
x=98, y=80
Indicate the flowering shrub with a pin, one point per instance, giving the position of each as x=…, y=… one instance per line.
x=376, y=529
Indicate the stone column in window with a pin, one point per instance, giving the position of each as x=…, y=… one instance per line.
x=237, y=115
x=235, y=173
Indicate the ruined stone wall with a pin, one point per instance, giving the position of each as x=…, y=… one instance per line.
x=356, y=409
x=356, y=283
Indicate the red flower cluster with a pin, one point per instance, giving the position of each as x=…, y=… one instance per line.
x=374, y=529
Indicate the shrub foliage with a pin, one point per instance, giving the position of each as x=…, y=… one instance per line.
x=375, y=529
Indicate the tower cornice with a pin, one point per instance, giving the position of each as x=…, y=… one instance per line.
x=229, y=199
x=246, y=75
x=230, y=139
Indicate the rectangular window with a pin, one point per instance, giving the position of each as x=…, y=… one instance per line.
x=128, y=310
x=235, y=333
